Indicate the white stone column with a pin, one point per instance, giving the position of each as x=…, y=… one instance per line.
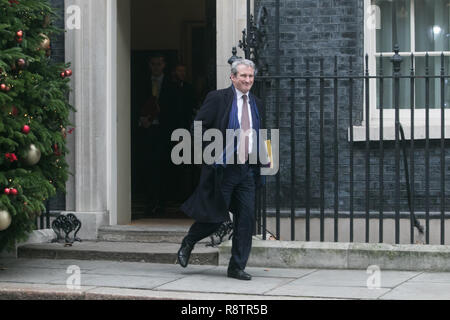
x=121, y=122
x=92, y=192
x=231, y=20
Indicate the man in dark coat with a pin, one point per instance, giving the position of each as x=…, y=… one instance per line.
x=153, y=128
x=225, y=188
x=179, y=177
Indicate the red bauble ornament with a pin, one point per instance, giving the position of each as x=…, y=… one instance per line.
x=26, y=129
x=3, y=87
x=14, y=111
x=19, y=34
x=14, y=192
x=8, y=88
x=68, y=73
x=7, y=191
x=11, y=157
x=21, y=63
x=63, y=75
x=56, y=150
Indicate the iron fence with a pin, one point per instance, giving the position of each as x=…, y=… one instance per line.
x=311, y=103
x=43, y=220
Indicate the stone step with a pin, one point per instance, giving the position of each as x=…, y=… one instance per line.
x=118, y=251
x=150, y=234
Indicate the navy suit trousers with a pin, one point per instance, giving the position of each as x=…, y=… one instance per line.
x=238, y=188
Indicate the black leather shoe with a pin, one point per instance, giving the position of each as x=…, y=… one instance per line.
x=239, y=274
x=183, y=254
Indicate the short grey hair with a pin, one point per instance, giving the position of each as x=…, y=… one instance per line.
x=238, y=62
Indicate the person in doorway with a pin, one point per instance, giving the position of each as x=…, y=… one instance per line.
x=186, y=97
x=179, y=116
x=231, y=187
x=153, y=128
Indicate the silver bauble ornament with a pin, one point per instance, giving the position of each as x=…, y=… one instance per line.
x=5, y=220
x=33, y=156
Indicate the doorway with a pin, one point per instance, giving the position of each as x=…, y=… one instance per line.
x=181, y=34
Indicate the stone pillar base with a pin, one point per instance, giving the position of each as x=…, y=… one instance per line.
x=90, y=223
x=37, y=236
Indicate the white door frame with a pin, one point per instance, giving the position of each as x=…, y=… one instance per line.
x=99, y=193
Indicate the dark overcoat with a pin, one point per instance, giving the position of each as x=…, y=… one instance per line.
x=207, y=203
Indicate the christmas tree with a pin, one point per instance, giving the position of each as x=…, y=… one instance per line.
x=34, y=115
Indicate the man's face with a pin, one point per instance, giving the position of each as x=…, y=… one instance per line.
x=157, y=66
x=180, y=71
x=243, y=80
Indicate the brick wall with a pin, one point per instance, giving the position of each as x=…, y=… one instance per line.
x=311, y=30
x=58, y=53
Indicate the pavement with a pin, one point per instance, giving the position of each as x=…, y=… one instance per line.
x=92, y=280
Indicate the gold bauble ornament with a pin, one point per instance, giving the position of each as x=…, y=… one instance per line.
x=33, y=156
x=45, y=44
x=5, y=220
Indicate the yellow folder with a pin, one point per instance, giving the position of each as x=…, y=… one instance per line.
x=269, y=152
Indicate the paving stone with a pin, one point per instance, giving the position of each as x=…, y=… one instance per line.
x=340, y=292
x=117, y=293
x=278, y=272
x=428, y=277
x=32, y=275
x=216, y=281
x=26, y=291
x=46, y=279
x=148, y=269
x=353, y=278
x=263, y=272
x=120, y=281
x=419, y=291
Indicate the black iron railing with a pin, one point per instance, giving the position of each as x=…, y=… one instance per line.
x=43, y=220
x=312, y=102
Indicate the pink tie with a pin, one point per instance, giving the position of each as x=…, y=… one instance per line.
x=245, y=127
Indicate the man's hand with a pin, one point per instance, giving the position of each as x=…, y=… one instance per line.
x=144, y=122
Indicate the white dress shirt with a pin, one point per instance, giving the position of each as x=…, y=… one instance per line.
x=240, y=102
